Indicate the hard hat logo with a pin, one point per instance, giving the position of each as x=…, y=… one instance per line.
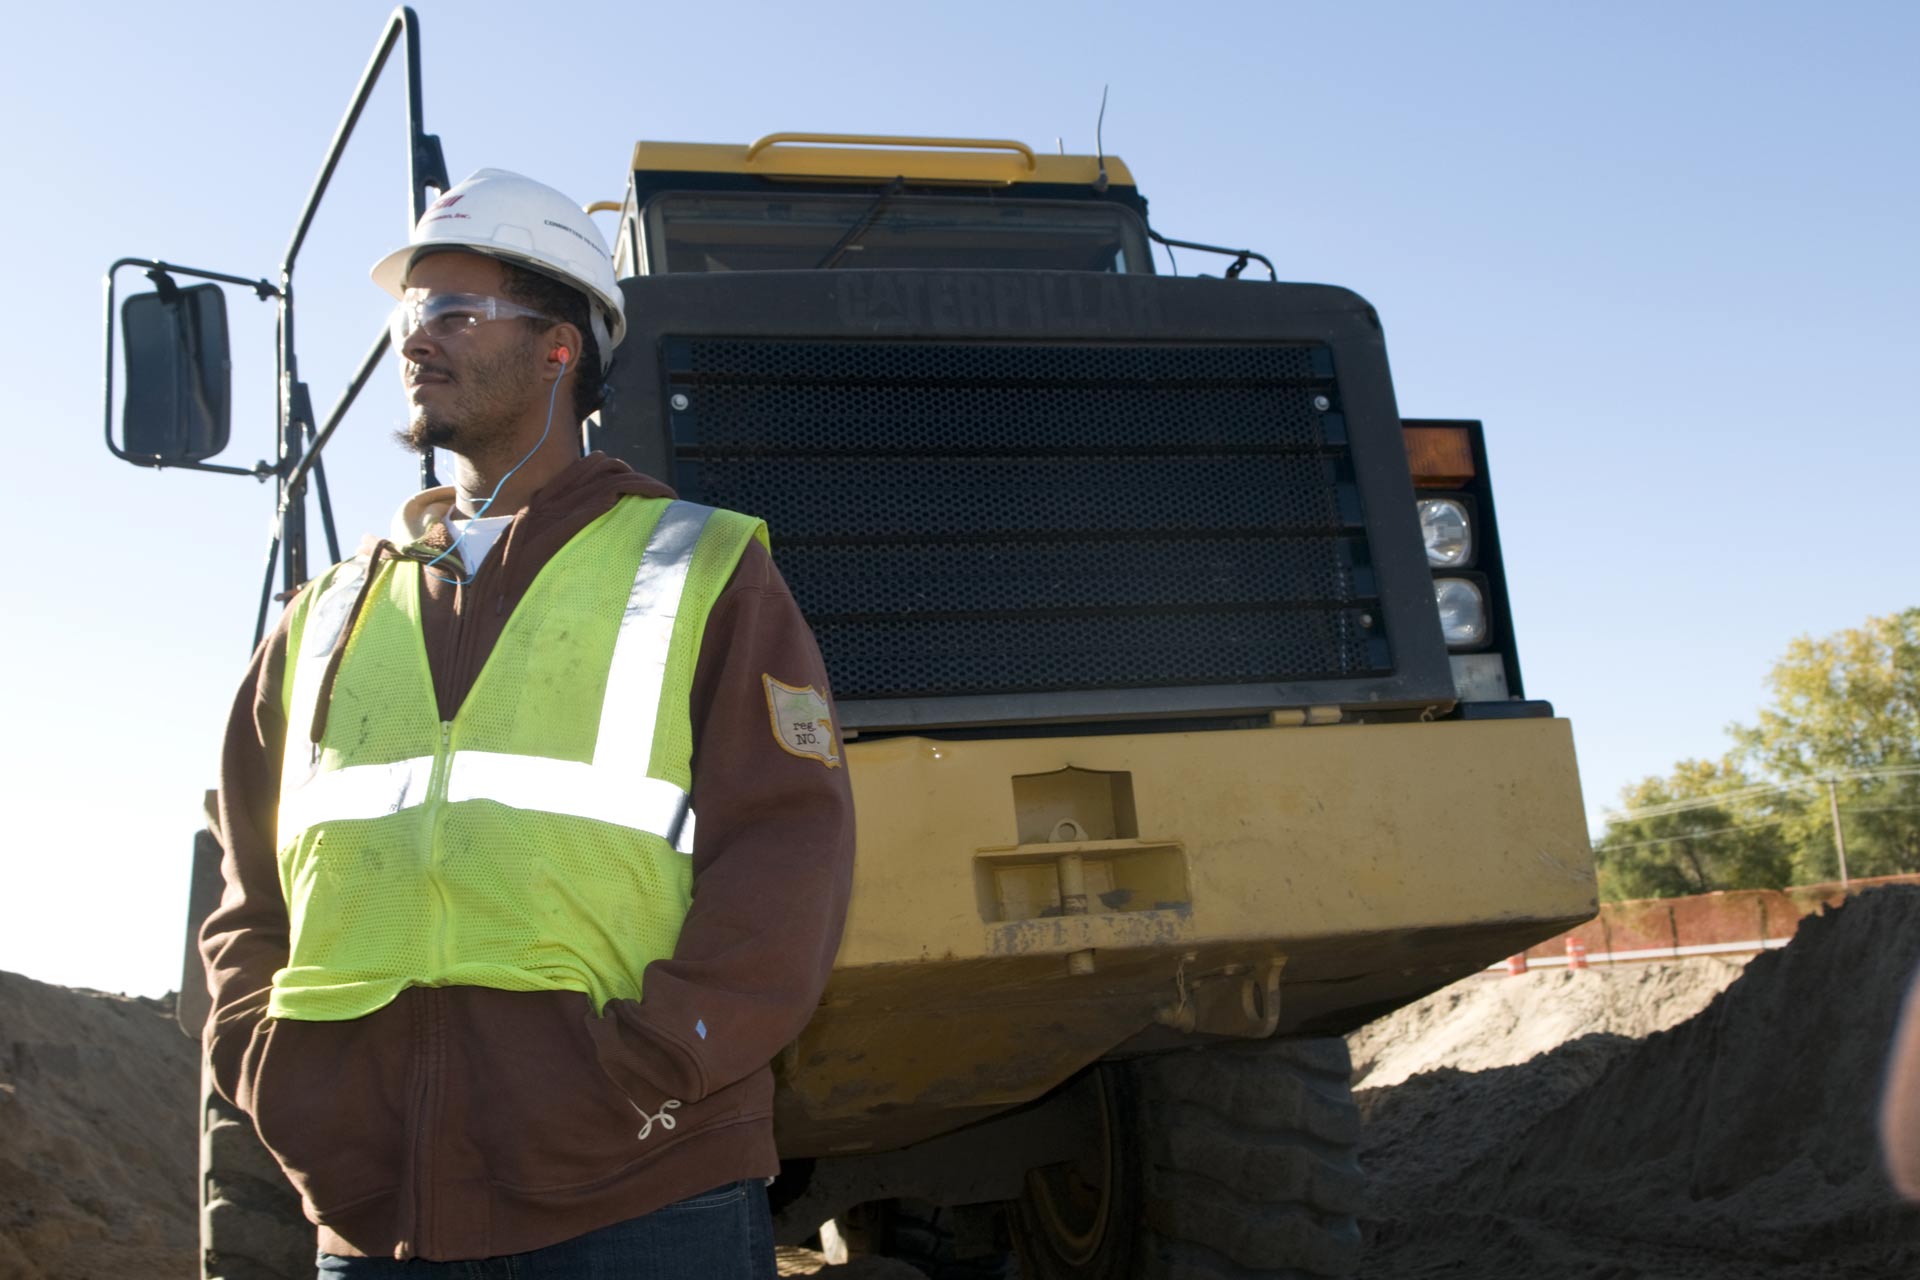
x=526, y=223
x=601, y=249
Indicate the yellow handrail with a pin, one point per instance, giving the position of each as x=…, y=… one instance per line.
x=888, y=140
x=606, y=206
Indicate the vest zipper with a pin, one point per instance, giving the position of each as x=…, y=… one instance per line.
x=436, y=808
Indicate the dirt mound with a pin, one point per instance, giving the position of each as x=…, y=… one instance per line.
x=98, y=1153
x=1498, y=1021
x=1739, y=1143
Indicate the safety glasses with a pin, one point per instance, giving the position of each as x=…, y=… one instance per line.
x=448, y=315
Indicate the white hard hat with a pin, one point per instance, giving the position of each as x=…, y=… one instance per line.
x=525, y=222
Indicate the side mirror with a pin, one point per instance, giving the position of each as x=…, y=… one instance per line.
x=179, y=374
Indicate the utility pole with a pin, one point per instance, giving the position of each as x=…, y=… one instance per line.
x=1839, y=837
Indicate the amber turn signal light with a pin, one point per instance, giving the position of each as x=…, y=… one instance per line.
x=1439, y=457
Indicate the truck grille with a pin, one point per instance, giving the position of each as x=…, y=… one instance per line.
x=960, y=518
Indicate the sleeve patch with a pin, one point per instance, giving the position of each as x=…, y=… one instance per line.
x=802, y=723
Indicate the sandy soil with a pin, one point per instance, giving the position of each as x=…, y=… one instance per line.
x=1736, y=1144
x=1698, y=1120
x=1500, y=1021
x=98, y=1150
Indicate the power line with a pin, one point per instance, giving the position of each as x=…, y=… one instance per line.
x=1695, y=835
x=1764, y=789
x=1747, y=826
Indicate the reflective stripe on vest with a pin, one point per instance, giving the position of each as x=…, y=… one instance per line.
x=326, y=620
x=615, y=788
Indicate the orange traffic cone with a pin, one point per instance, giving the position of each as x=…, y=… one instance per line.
x=1576, y=954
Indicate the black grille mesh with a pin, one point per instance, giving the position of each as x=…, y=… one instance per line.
x=932, y=497
x=932, y=656
x=1005, y=419
x=979, y=518
x=888, y=579
x=965, y=364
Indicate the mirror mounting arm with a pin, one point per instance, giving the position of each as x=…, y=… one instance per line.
x=301, y=439
x=164, y=286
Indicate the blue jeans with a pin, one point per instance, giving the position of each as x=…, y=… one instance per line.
x=723, y=1234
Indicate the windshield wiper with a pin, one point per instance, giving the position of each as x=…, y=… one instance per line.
x=860, y=224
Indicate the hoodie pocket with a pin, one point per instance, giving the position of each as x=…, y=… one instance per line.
x=327, y=1102
x=543, y=1112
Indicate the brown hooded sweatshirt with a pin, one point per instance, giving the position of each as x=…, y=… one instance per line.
x=469, y=1122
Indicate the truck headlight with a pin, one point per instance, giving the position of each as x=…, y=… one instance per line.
x=1463, y=612
x=1449, y=534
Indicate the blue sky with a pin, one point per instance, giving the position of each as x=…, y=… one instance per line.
x=1666, y=252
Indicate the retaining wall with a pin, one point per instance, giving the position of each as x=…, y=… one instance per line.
x=1732, y=921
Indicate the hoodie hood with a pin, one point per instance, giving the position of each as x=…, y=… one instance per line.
x=420, y=513
x=592, y=482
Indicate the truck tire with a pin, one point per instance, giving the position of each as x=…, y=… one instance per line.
x=251, y=1227
x=1232, y=1160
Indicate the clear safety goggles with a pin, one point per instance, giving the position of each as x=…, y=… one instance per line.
x=448, y=315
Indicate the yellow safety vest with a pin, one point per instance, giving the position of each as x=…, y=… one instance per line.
x=539, y=840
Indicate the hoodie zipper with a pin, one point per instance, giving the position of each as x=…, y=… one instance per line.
x=421, y=1124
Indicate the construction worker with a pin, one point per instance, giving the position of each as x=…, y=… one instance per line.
x=538, y=839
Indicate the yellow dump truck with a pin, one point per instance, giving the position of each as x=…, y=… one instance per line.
x=1177, y=671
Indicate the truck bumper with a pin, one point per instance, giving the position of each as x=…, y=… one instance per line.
x=1024, y=907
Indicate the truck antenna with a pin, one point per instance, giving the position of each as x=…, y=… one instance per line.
x=1099, y=146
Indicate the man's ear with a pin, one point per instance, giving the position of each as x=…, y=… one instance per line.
x=563, y=341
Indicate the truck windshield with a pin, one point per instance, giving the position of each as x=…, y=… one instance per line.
x=779, y=232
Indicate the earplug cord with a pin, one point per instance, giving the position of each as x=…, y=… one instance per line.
x=461, y=536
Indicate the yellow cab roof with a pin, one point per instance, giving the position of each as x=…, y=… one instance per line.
x=869, y=157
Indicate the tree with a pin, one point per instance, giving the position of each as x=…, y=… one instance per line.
x=1845, y=720
x=1847, y=708
x=1705, y=826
